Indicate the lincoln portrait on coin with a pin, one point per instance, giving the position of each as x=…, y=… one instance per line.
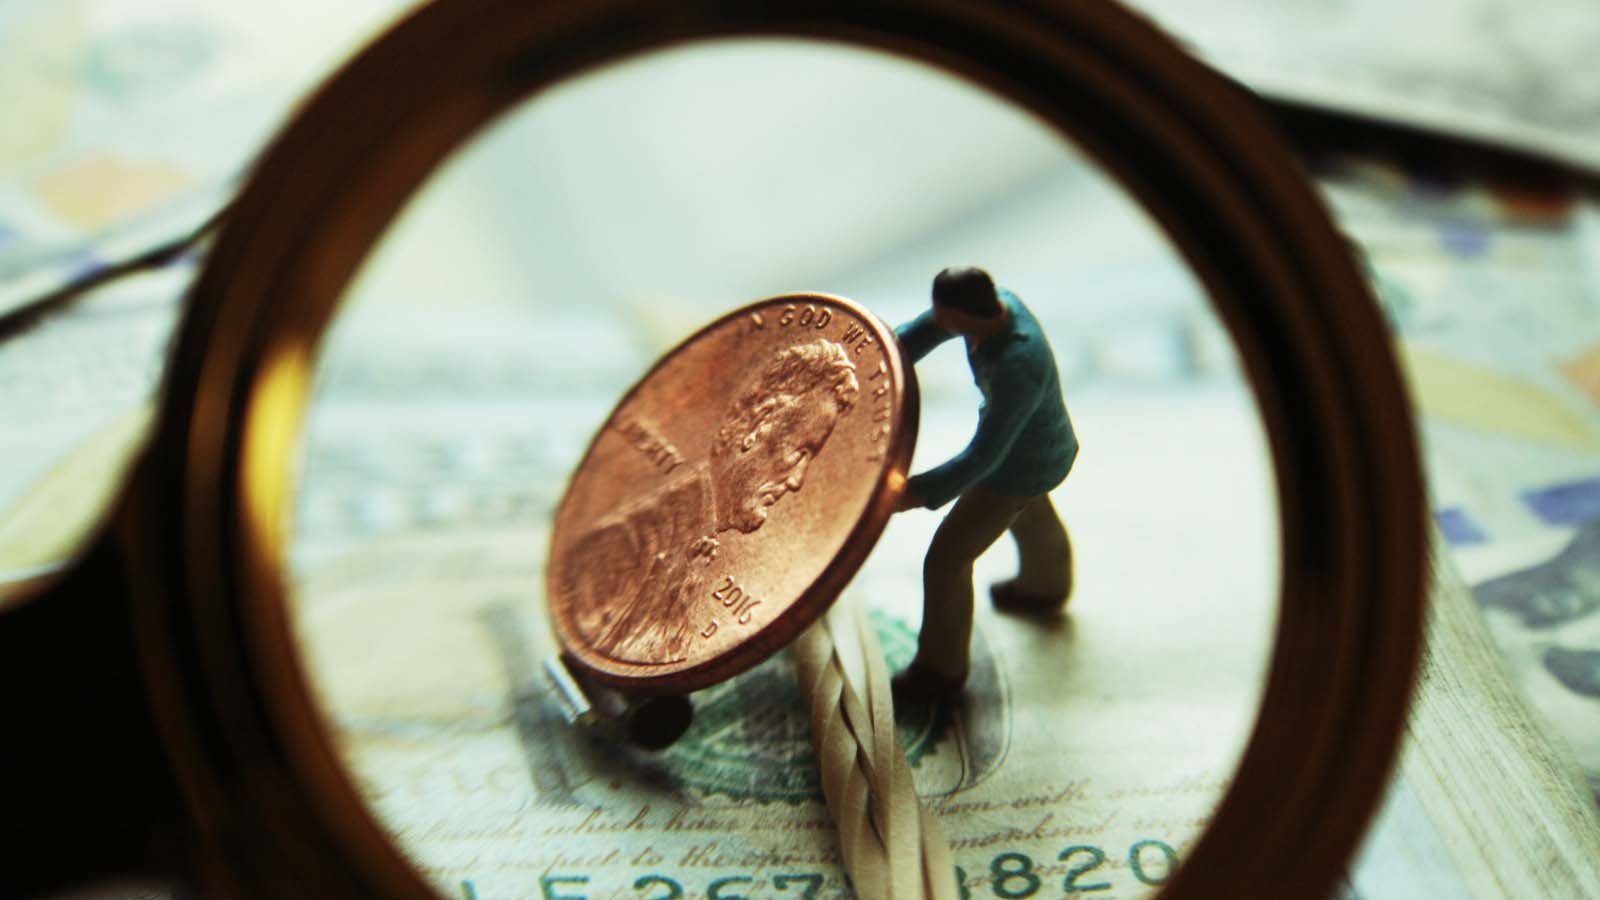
x=639, y=580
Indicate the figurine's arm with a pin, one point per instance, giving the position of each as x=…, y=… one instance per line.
x=1014, y=397
x=919, y=336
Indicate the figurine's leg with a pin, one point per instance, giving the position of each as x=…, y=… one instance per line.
x=976, y=521
x=1044, y=553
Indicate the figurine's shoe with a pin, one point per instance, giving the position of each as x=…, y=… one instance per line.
x=924, y=685
x=1007, y=599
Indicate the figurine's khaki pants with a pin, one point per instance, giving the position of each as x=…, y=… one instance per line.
x=972, y=526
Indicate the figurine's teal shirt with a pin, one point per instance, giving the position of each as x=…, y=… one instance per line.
x=1024, y=445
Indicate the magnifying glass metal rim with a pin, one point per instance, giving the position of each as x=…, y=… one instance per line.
x=200, y=524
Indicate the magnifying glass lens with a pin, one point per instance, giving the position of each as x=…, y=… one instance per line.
x=1113, y=675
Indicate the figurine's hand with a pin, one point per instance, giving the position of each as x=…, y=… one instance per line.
x=909, y=500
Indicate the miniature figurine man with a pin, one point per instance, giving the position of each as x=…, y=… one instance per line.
x=1023, y=448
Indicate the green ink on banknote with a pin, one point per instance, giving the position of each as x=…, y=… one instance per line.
x=1097, y=858
x=1013, y=876
x=674, y=889
x=811, y=880
x=551, y=885
x=751, y=739
x=1136, y=861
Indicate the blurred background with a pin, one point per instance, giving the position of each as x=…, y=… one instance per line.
x=538, y=274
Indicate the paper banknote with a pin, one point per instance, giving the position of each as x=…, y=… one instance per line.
x=130, y=121
x=1545, y=615
x=1494, y=293
x=1509, y=74
x=74, y=400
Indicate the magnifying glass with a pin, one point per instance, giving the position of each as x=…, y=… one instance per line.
x=182, y=629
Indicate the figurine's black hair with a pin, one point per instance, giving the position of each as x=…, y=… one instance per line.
x=967, y=289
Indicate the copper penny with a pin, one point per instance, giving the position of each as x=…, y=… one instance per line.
x=732, y=494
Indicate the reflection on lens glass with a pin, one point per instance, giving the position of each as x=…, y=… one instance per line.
x=544, y=270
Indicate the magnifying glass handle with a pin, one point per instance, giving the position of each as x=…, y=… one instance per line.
x=89, y=790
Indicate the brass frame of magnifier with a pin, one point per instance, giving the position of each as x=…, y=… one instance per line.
x=157, y=715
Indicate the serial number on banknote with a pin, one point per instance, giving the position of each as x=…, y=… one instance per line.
x=1012, y=875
